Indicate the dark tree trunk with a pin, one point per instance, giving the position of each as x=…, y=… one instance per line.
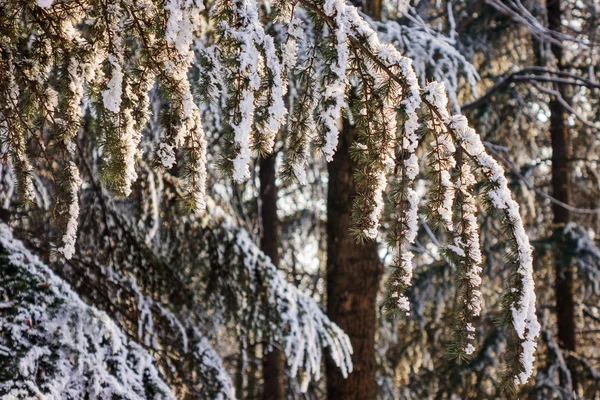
x=272, y=363
x=353, y=274
x=353, y=271
x=373, y=8
x=561, y=190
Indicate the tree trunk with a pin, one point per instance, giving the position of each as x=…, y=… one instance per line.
x=353, y=271
x=272, y=363
x=561, y=190
x=373, y=8
x=353, y=274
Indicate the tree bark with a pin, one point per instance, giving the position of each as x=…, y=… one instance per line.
x=353, y=274
x=373, y=8
x=353, y=271
x=272, y=363
x=561, y=190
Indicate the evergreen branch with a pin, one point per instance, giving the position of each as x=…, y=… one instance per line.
x=439, y=205
x=334, y=52
x=11, y=129
x=519, y=295
x=465, y=253
x=301, y=124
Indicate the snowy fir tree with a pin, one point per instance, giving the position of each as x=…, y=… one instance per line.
x=239, y=199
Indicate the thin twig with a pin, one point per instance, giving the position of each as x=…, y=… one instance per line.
x=530, y=186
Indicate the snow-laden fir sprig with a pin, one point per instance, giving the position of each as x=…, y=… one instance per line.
x=66, y=209
x=80, y=67
x=403, y=198
x=240, y=58
x=210, y=81
x=249, y=57
x=465, y=254
x=301, y=121
x=71, y=180
x=263, y=302
x=270, y=113
x=374, y=114
x=124, y=93
x=191, y=142
x=441, y=162
x=119, y=136
x=12, y=131
x=518, y=301
x=181, y=118
x=519, y=295
x=194, y=171
x=334, y=52
x=295, y=33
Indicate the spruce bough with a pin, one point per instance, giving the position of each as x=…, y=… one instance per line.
x=59, y=58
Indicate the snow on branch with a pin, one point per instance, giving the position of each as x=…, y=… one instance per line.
x=244, y=48
x=112, y=59
x=53, y=344
x=304, y=89
x=434, y=55
x=223, y=276
x=519, y=296
x=441, y=162
x=11, y=130
x=333, y=77
x=390, y=109
x=258, y=295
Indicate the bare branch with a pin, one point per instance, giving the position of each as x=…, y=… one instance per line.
x=493, y=149
x=526, y=75
x=565, y=104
